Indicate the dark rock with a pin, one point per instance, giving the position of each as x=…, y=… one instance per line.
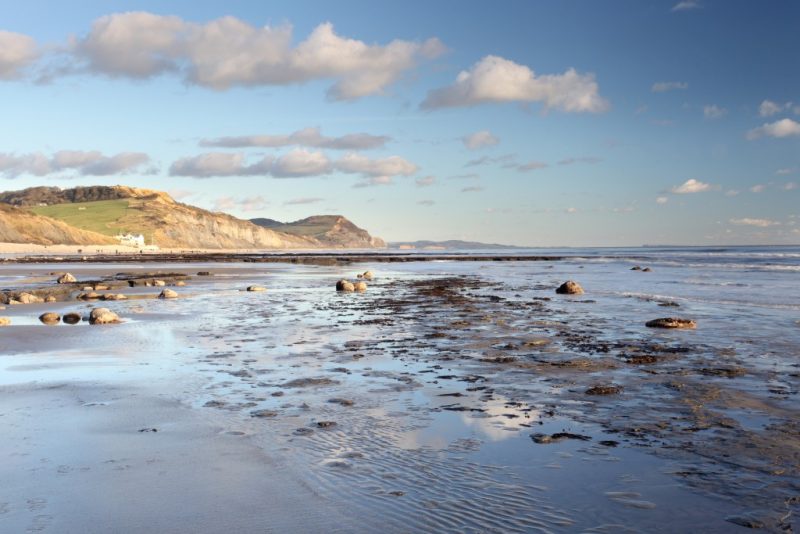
x=604, y=390
x=71, y=318
x=570, y=288
x=671, y=322
x=544, y=439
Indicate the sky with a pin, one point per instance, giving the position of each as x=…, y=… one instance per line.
x=541, y=123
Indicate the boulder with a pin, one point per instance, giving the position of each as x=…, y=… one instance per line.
x=168, y=294
x=91, y=295
x=367, y=275
x=636, y=268
x=49, y=298
x=101, y=287
x=5, y=321
x=103, y=316
x=344, y=285
x=159, y=283
x=88, y=288
x=27, y=298
x=671, y=322
x=180, y=283
x=360, y=286
x=50, y=318
x=647, y=270
x=71, y=318
x=114, y=296
x=256, y=288
x=570, y=288
x=66, y=278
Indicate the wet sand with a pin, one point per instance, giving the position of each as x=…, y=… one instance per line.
x=443, y=399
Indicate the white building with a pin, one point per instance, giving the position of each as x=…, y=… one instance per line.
x=131, y=240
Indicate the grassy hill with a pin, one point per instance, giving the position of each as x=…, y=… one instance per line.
x=107, y=217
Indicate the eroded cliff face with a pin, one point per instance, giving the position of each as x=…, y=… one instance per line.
x=332, y=231
x=20, y=226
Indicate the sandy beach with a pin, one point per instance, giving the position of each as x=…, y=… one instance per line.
x=450, y=396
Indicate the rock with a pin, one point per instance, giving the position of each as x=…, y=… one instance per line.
x=570, y=288
x=87, y=288
x=326, y=424
x=360, y=286
x=103, y=316
x=71, y=318
x=263, y=413
x=66, y=278
x=5, y=321
x=256, y=288
x=50, y=318
x=89, y=296
x=544, y=439
x=180, y=283
x=647, y=270
x=159, y=283
x=368, y=275
x=101, y=287
x=203, y=273
x=27, y=298
x=50, y=298
x=113, y=296
x=344, y=285
x=604, y=390
x=343, y=402
x=636, y=268
x=168, y=294
x=671, y=322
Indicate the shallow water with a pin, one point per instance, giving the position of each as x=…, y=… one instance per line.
x=443, y=395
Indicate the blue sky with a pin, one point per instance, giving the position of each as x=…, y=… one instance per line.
x=529, y=123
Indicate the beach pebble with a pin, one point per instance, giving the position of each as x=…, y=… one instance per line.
x=50, y=298
x=360, y=286
x=5, y=321
x=103, y=316
x=50, y=318
x=66, y=278
x=113, y=296
x=168, y=294
x=91, y=295
x=671, y=322
x=159, y=283
x=344, y=285
x=367, y=275
x=71, y=318
x=180, y=283
x=570, y=288
x=256, y=288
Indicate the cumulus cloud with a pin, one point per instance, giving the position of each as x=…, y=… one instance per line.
x=302, y=201
x=229, y=52
x=691, y=186
x=714, y=112
x=663, y=87
x=781, y=128
x=84, y=163
x=481, y=139
x=297, y=163
x=686, y=5
x=17, y=51
x=760, y=223
x=426, y=181
x=307, y=137
x=662, y=200
x=496, y=79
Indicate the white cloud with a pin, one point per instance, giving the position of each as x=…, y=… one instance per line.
x=781, y=128
x=472, y=189
x=571, y=210
x=758, y=188
x=790, y=186
x=662, y=200
x=732, y=192
x=17, y=51
x=663, y=87
x=229, y=52
x=375, y=180
x=297, y=163
x=307, y=137
x=426, y=202
x=714, y=112
x=247, y=204
x=760, y=223
x=691, y=186
x=224, y=204
x=84, y=163
x=495, y=79
x=769, y=108
x=300, y=162
x=303, y=200
x=426, y=181
x=480, y=139
x=391, y=166
x=686, y=5
x=785, y=171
